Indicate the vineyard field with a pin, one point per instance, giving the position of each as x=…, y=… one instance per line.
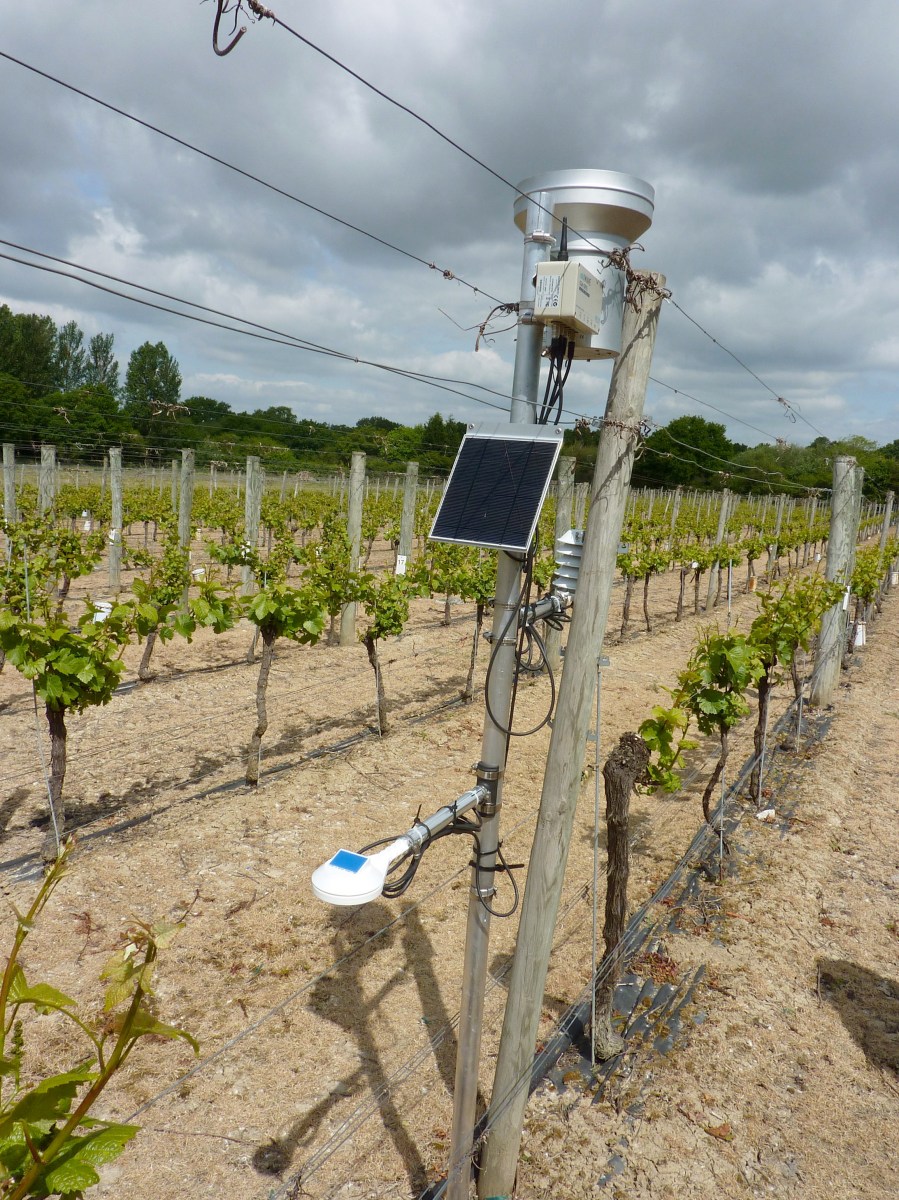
x=325, y=1035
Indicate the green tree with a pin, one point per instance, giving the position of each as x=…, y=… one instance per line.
x=27, y=348
x=688, y=451
x=102, y=366
x=152, y=391
x=69, y=358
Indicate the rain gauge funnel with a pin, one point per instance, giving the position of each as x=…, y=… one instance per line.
x=606, y=211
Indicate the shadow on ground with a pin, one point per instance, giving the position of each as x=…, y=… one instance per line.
x=868, y=1005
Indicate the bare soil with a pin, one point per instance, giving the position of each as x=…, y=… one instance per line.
x=328, y=1035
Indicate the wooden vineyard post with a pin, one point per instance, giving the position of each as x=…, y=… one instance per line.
x=354, y=532
x=174, y=485
x=840, y=552
x=115, y=532
x=9, y=482
x=715, y=569
x=185, y=506
x=774, y=546
x=675, y=512
x=581, y=492
x=561, y=783
x=46, y=490
x=623, y=768
x=564, y=498
x=252, y=514
x=407, y=520
x=884, y=534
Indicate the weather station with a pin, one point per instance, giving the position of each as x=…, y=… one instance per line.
x=576, y=224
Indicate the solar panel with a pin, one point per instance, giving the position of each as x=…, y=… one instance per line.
x=497, y=486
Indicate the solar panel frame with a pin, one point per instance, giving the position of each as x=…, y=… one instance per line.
x=497, y=487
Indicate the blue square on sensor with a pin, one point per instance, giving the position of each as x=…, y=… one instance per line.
x=348, y=861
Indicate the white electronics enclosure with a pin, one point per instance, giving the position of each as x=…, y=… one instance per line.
x=568, y=295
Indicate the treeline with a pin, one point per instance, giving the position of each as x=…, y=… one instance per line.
x=58, y=387
x=697, y=453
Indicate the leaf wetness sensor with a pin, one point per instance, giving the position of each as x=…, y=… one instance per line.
x=497, y=486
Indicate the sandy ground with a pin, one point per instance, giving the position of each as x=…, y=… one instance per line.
x=328, y=1035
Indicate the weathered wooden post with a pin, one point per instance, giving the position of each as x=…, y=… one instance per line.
x=564, y=498
x=354, y=531
x=46, y=490
x=407, y=520
x=10, y=512
x=561, y=783
x=715, y=570
x=844, y=511
x=252, y=514
x=115, y=532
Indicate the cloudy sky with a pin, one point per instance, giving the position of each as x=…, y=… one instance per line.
x=768, y=130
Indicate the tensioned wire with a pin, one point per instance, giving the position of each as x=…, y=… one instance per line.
x=169, y=733
x=447, y=274
x=276, y=697
x=289, y=1000
x=264, y=13
x=789, y=408
x=285, y=340
x=267, y=333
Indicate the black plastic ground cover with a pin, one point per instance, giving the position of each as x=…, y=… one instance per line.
x=648, y=1012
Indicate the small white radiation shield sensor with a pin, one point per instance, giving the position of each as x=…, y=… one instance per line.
x=350, y=878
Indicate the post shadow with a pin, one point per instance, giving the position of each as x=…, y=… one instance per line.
x=868, y=1005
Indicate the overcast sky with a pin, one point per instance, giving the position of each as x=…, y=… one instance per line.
x=768, y=130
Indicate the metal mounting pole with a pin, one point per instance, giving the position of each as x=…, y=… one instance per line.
x=526, y=380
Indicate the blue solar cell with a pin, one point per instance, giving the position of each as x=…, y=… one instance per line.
x=348, y=861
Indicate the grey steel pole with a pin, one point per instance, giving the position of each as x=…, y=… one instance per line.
x=525, y=388
x=561, y=782
x=840, y=550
